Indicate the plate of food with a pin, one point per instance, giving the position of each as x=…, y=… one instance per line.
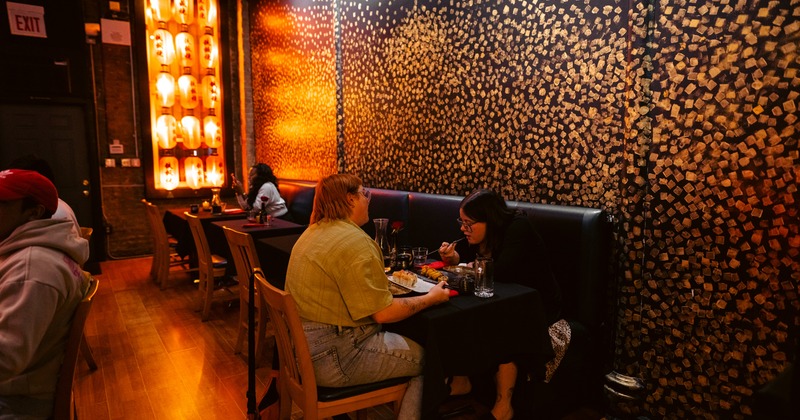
x=410, y=281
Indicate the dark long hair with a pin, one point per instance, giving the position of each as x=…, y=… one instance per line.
x=263, y=174
x=489, y=207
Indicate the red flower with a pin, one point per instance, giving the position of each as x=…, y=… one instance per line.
x=397, y=226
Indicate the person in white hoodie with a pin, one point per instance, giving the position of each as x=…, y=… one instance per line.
x=41, y=284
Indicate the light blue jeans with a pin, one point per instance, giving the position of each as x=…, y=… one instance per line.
x=358, y=355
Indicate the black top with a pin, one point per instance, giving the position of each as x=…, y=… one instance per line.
x=523, y=258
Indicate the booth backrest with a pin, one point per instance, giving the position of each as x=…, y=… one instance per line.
x=578, y=241
x=299, y=196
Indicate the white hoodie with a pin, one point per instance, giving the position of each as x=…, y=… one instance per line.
x=41, y=284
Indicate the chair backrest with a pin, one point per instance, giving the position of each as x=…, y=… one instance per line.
x=297, y=377
x=154, y=218
x=204, y=260
x=86, y=232
x=244, y=254
x=64, y=407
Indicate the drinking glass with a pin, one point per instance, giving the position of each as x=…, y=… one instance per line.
x=403, y=258
x=484, y=277
x=252, y=215
x=419, y=255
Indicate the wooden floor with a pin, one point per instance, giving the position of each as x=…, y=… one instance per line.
x=157, y=360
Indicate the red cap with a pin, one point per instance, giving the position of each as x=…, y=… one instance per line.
x=16, y=184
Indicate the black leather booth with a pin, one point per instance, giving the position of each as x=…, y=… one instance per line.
x=578, y=240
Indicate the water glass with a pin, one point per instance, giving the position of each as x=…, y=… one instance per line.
x=419, y=255
x=252, y=215
x=484, y=277
x=403, y=258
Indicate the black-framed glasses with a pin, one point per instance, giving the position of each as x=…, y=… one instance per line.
x=467, y=225
x=365, y=192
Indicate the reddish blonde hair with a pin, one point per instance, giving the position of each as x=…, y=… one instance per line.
x=330, y=197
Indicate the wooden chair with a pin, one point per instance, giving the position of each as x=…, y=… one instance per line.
x=209, y=268
x=296, y=381
x=245, y=258
x=86, y=233
x=64, y=408
x=165, y=259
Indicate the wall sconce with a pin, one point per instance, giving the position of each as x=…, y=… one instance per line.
x=188, y=142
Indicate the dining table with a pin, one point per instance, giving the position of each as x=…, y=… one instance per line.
x=466, y=335
x=176, y=225
x=469, y=335
x=273, y=254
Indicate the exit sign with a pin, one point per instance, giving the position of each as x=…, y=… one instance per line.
x=26, y=20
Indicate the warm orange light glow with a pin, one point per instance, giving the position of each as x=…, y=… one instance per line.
x=190, y=130
x=183, y=47
x=210, y=93
x=165, y=89
x=207, y=13
x=168, y=169
x=184, y=43
x=193, y=172
x=162, y=47
x=161, y=10
x=184, y=11
x=212, y=133
x=208, y=57
x=165, y=131
x=215, y=170
x=187, y=87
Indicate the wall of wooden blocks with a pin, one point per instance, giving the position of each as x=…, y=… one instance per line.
x=677, y=117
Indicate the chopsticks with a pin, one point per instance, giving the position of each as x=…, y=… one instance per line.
x=437, y=249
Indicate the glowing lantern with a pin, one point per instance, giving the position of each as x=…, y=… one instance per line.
x=187, y=88
x=184, y=11
x=212, y=133
x=193, y=172
x=165, y=89
x=165, y=131
x=207, y=13
x=214, y=170
x=208, y=52
x=162, y=47
x=161, y=10
x=186, y=92
x=168, y=169
x=190, y=129
x=210, y=92
x=184, y=43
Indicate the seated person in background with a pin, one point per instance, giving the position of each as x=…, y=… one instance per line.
x=263, y=190
x=35, y=163
x=336, y=276
x=519, y=255
x=41, y=285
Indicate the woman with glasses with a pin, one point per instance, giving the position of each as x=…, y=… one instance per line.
x=510, y=239
x=262, y=192
x=336, y=276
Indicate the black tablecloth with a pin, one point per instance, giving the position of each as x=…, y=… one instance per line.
x=273, y=254
x=469, y=335
x=464, y=336
x=176, y=225
x=278, y=227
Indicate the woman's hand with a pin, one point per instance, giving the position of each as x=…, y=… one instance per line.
x=448, y=253
x=236, y=185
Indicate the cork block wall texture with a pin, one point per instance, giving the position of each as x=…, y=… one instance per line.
x=677, y=117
